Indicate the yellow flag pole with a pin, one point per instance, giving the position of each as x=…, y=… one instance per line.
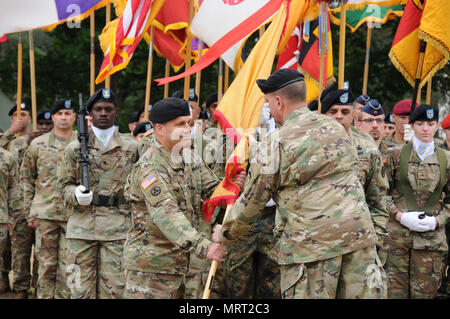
x=166, y=74
x=19, y=77
x=429, y=86
x=322, y=52
x=213, y=268
x=33, y=80
x=187, y=79
x=198, y=75
x=227, y=78
x=108, y=19
x=366, y=63
x=342, y=30
x=149, y=73
x=92, y=82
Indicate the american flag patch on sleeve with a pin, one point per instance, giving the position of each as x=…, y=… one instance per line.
x=148, y=181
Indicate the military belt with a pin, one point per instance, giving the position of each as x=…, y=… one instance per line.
x=108, y=201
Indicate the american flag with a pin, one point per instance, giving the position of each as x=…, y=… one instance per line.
x=129, y=28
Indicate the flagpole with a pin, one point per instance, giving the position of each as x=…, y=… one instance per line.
x=108, y=19
x=429, y=86
x=32, y=79
x=213, y=268
x=19, y=78
x=187, y=64
x=342, y=25
x=227, y=78
x=323, y=7
x=220, y=81
x=149, y=73
x=198, y=75
x=366, y=63
x=92, y=82
x=166, y=75
x=423, y=46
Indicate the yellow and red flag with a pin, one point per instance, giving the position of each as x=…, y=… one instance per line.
x=425, y=20
x=121, y=36
x=170, y=32
x=244, y=92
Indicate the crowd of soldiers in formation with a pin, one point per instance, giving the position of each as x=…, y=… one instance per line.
x=354, y=207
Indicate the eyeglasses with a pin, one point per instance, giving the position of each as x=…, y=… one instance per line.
x=370, y=121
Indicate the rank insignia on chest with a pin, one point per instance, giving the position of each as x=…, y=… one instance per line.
x=148, y=181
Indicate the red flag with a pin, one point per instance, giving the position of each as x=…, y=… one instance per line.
x=3, y=38
x=170, y=37
x=288, y=58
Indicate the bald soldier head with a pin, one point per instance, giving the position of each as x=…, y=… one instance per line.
x=171, y=123
x=285, y=91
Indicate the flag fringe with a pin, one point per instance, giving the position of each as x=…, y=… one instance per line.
x=387, y=3
x=389, y=16
x=82, y=16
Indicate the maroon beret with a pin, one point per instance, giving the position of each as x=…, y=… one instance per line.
x=403, y=107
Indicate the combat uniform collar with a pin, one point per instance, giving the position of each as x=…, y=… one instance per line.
x=113, y=143
x=167, y=156
x=52, y=137
x=296, y=113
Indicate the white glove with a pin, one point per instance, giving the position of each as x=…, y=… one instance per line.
x=408, y=132
x=82, y=198
x=270, y=203
x=412, y=221
x=429, y=222
x=265, y=114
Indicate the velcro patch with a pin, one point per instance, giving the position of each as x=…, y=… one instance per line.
x=148, y=181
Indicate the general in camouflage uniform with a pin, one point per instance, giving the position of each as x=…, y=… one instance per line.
x=166, y=192
x=10, y=203
x=327, y=240
x=43, y=204
x=416, y=245
x=98, y=225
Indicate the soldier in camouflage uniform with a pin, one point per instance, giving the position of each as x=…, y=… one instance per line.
x=166, y=188
x=10, y=203
x=418, y=204
x=211, y=103
x=337, y=104
x=17, y=126
x=401, y=112
x=327, y=240
x=43, y=208
x=100, y=218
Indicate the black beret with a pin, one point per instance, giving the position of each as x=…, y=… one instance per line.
x=211, y=99
x=62, y=104
x=168, y=109
x=44, y=115
x=373, y=107
x=362, y=99
x=133, y=117
x=314, y=105
x=335, y=97
x=389, y=119
x=142, y=128
x=424, y=112
x=23, y=107
x=191, y=96
x=141, y=110
x=203, y=115
x=279, y=79
x=101, y=95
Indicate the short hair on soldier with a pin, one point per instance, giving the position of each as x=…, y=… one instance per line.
x=294, y=92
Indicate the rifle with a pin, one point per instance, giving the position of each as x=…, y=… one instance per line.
x=83, y=137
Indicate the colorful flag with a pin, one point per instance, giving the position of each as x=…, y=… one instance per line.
x=121, y=36
x=3, y=38
x=377, y=14
x=214, y=19
x=297, y=11
x=422, y=20
x=170, y=26
x=244, y=92
x=23, y=15
x=359, y=4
